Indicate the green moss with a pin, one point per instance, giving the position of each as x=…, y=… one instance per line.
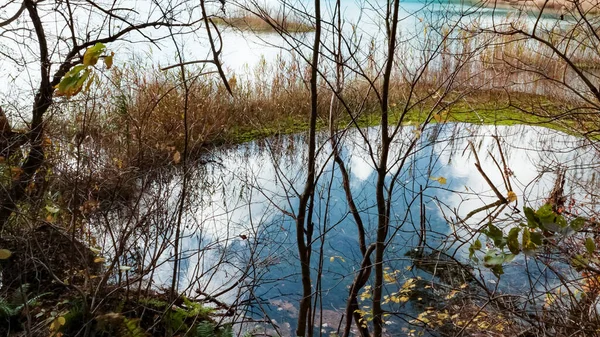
x=485, y=109
x=153, y=303
x=176, y=320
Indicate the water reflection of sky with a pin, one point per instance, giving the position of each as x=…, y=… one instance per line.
x=245, y=197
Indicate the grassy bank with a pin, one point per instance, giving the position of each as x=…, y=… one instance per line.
x=246, y=21
x=137, y=119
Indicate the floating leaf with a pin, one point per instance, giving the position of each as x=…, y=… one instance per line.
x=5, y=254
x=125, y=268
x=440, y=180
x=389, y=278
x=451, y=294
x=99, y=260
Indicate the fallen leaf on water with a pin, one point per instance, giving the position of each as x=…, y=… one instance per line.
x=440, y=180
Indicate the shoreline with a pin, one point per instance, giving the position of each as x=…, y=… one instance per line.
x=559, y=7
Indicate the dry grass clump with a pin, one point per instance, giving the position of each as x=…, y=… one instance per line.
x=135, y=117
x=248, y=21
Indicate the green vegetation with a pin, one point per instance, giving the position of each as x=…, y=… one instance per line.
x=88, y=191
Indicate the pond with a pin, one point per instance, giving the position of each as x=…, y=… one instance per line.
x=421, y=22
x=240, y=232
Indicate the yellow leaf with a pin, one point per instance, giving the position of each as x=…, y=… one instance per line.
x=452, y=294
x=389, y=278
x=61, y=320
x=512, y=196
x=92, y=54
x=483, y=325
x=441, y=180
x=108, y=60
x=331, y=259
x=5, y=254
x=99, y=260
x=176, y=157
x=403, y=299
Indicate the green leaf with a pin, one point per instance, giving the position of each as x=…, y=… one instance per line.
x=92, y=54
x=76, y=70
x=473, y=248
x=527, y=242
x=497, y=270
x=590, y=245
x=577, y=224
x=495, y=234
x=492, y=258
x=549, y=220
x=513, y=240
x=509, y=257
x=579, y=262
x=537, y=238
x=532, y=220
x=52, y=209
x=67, y=84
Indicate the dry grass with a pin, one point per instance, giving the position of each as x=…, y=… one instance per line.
x=247, y=21
x=135, y=118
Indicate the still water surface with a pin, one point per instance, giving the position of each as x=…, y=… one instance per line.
x=243, y=209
